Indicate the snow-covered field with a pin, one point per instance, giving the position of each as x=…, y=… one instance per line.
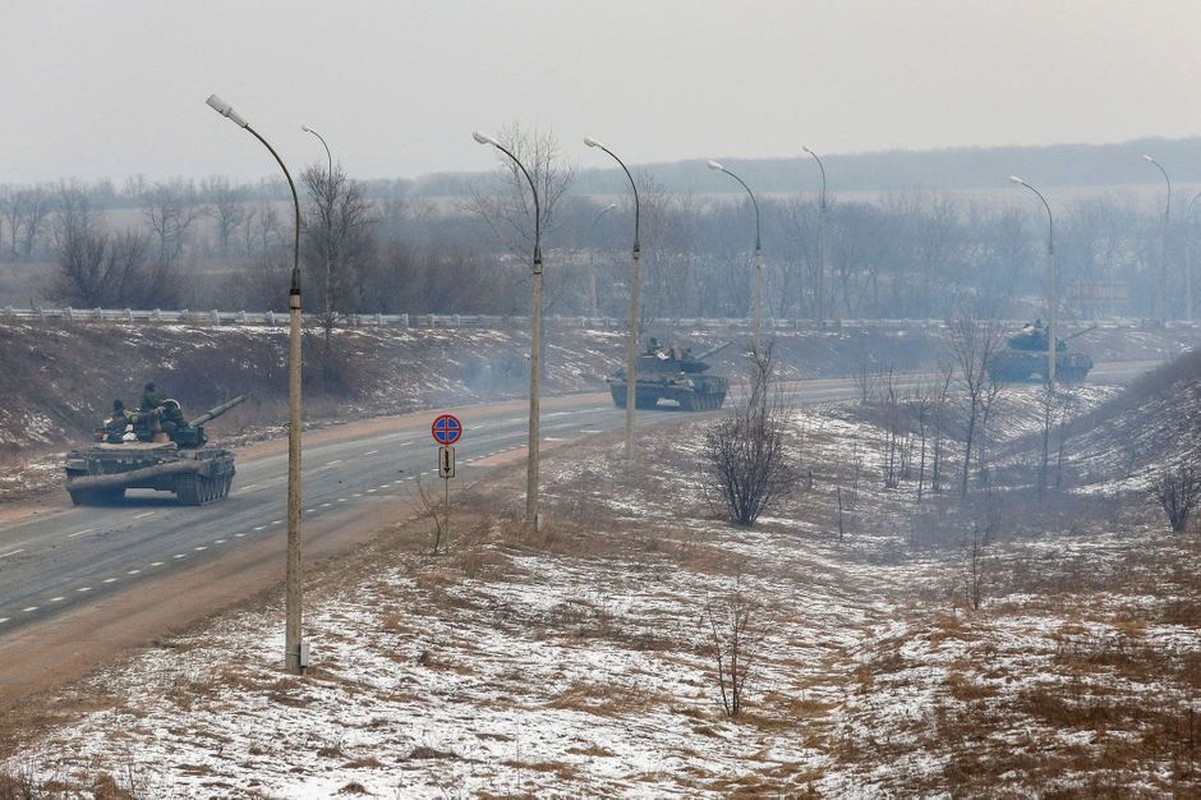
x=581, y=661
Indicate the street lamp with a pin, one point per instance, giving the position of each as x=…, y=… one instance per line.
x=329, y=231
x=758, y=304
x=632, y=338
x=295, y=657
x=821, y=241
x=1161, y=296
x=1188, y=259
x=328, y=157
x=531, y=484
x=1052, y=300
x=593, y=311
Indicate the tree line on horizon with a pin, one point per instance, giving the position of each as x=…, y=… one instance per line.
x=384, y=247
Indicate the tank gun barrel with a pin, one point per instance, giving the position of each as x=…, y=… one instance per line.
x=1071, y=336
x=216, y=411
x=714, y=350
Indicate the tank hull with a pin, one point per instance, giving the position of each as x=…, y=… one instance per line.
x=1030, y=366
x=689, y=392
x=102, y=473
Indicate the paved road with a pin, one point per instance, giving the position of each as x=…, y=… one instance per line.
x=69, y=557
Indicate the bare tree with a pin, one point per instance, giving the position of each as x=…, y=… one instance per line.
x=170, y=210
x=745, y=452
x=735, y=639
x=1178, y=490
x=338, y=239
x=26, y=209
x=973, y=344
x=508, y=208
x=228, y=212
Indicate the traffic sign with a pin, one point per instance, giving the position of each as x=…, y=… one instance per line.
x=446, y=461
x=447, y=429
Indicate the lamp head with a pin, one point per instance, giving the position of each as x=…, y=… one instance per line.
x=1148, y=158
x=307, y=129
x=484, y=138
x=714, y=165
x=226, y=110
x=1016, y=179
x=588, y=140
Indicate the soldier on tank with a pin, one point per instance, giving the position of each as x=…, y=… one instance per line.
x=151, y=399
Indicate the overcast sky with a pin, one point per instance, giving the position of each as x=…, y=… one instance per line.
x=111, y=88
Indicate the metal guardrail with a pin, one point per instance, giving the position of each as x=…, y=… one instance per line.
x=271, y=318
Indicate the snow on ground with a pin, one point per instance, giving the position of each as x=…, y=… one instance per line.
x=581, y=662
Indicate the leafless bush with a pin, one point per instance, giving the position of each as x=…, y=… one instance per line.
x=437, y=509
x=734, y=637
x=746, y=453
x=1177, y=492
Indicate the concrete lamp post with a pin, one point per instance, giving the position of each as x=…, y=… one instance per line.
x=531, y=487
x=1161, y=293
x=758, y=301
x=632, y=337
x=295, y=651
x=1052, y=293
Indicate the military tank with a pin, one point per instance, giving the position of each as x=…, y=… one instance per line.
x=672, y=373
x=154, y=449
x=1024, y=358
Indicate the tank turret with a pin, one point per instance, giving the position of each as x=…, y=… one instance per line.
x=1025, y=356
x=152, y=449
x=674, y=374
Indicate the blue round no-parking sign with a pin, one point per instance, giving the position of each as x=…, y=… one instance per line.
x=447, y=429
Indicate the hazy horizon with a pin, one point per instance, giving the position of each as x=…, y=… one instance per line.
x=396, y=88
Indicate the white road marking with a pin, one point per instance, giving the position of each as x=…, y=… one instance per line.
x=277, y=522
x=310, y=510
x=30, y=609
x=260, y=527
x=405, y=444
x=133, y=572
x=156, y=563
x=110, y=580
x=326, y=505
x=332, y=463
x=341, y=499
x=146, y=514
x=220, y=541
x=12, y=553
x=371, y=452
x=249, y=486
x=3, y=620
x=58, y=599
x=201, y=548
x=82, y=589
x=180, y=555
x=239, y=535
x=80, y=533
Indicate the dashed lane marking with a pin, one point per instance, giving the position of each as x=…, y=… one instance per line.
x=29, y=609
x=110, y=580
x=145, y=514
x=80, y=533
x=133, y=572
x=371, y=452
x=83, y=589
x=12, y=553
x=58, y=599
x=157, y=563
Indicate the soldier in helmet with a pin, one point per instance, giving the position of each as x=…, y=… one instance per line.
x=151, y=399
x=116, y=425
x=171, y=418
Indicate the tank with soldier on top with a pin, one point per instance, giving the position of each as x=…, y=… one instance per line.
x=1025, y=356
x=155, y=447
x=672, y=374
